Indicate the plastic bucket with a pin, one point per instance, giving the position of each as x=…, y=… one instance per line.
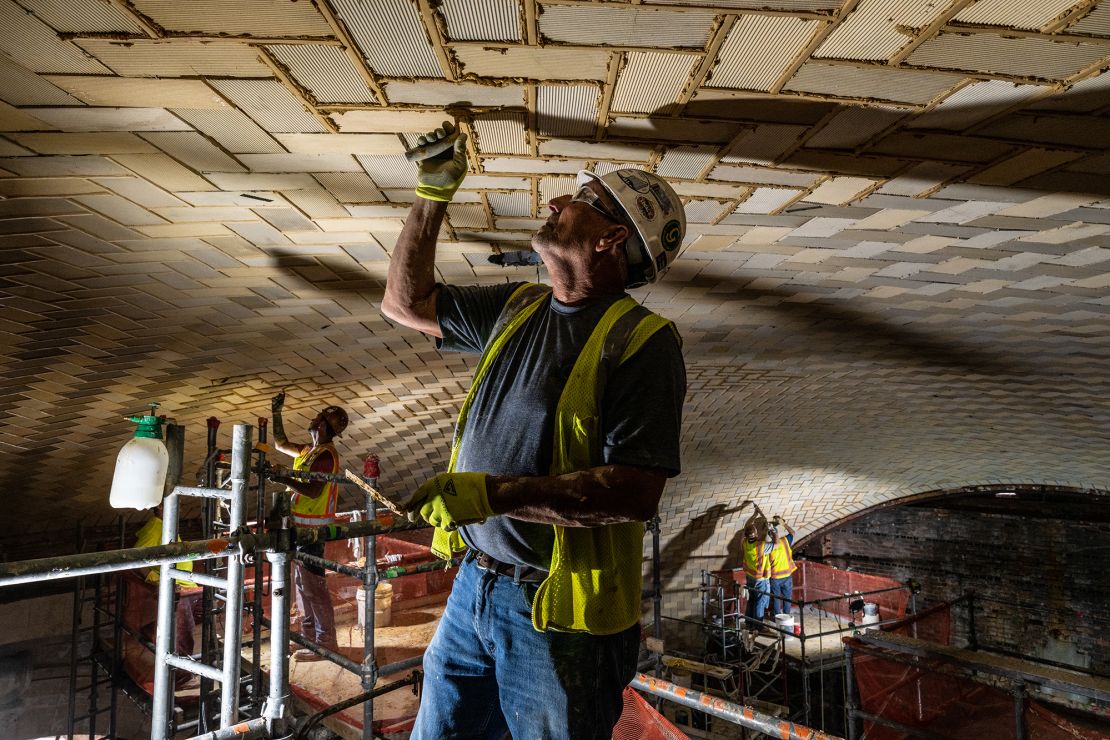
x=870, y=614
x=383, y=605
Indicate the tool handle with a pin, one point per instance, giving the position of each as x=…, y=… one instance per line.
x=427, y=151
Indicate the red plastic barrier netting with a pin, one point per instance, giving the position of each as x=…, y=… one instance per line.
x=640, y=721
x=817, y=582
x=930, y=697
x=934, y=625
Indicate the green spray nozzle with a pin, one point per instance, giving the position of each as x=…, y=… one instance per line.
x=150, y=426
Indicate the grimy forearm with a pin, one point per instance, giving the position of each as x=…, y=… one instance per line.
x=609, y=494
x=278, y=428
x=411, y=278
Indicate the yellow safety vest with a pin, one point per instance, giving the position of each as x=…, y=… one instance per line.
x=314, y=512
x=756, y=562
x=782, y=559
x=149, y=535
x=595, y=578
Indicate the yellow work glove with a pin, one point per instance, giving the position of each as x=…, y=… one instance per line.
x=440, y=175
x=451, y=499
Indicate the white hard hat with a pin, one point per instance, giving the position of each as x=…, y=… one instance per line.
x=655, y=212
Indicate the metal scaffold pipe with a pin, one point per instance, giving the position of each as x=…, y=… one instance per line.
x=738, y=714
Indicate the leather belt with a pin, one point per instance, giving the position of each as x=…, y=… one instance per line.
x=519, y=573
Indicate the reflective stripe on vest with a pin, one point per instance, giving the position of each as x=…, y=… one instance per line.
x=595, y=578
x=782, y=559
x=756, y=563
x=315, y=512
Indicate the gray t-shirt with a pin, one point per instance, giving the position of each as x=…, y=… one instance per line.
x=510, y=429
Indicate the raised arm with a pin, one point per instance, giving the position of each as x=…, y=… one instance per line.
x=410, y=291
x=281, y=442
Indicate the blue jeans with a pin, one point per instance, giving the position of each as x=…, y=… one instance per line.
x=782, y=591
x=487, y=671
x=759, y=595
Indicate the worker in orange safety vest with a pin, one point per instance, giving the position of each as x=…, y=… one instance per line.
x=782, y=567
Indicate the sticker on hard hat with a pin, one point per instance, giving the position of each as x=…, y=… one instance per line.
x=671, y=236
x=647, y=210
x=661, y=196
x=637, y=182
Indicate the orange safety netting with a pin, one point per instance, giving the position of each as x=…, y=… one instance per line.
x=834, y=590
x=933, y=624
x=640, y=721
x=931, y=697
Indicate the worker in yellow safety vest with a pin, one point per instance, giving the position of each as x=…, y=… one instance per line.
x=561, y=451
x=313, y=505
x=757, y=565
x=782, y=567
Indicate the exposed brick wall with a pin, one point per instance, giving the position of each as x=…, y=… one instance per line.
x=1042, y=583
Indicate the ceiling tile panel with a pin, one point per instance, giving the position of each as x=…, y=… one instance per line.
x=511, y=205
x=1084, y=96
x=567, y=110
x=1023, y=165
x=107, y=142
x=631, y=26
x=854, y=126
x=467, y=216
x=232, y=129
x=1039, y=58
x=683, y=130
x=554, y=187
x=974, y=103
x=163, y=171
x=443, y=94
x=548, y=63
x=350, y=187
x=704, y=211
x=14, y=119
x=388, y=121
x=759, y=49
x=811, y=6
x=85, y=16
x=194, y=150
x=482, y=20
x=126, y=92
x=38, y=47
x=685, y=162
x=766, y=200
x=341, y=143
x=297, y=162
x=531, y=166
x=271, y=105
x=389, y=171
x=840, y=190
x=873, y=30
x=390, y=36
x=922, y=178
x=1022, y=14
x=257, y=18
x=596, y=150
x=650, y=81
x=503, y=133
x=841, y=80
x=326, y=72
x=762, y=176
x=176, y=58
x=20, y=86
x=111, y=119
x=764, y=144
x=1095, y=23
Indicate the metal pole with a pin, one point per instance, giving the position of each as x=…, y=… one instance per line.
x=208, y=619
x=274, y=710
x=117, y=638
x=656, y=581
x=259, y=575
x=254, y=728
x=74, y=645
x=369, y=591
x=233, y=609
x=161, y=716
x=852, y=703
x=738, y=714
x=107, y=561
x=1020, y=730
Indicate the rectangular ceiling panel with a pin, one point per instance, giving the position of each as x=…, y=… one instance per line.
x=1022, y=166
x=567, y=110
x=110, y=119
x=840, y=190
x=232, y=129
x=533, y=63
x=20, y=86
x=350, y=187
x=176, y=58
x=258, y=18
x=766, y=200
x=483, y=20
x=163, y=172
x=763, y=176
x=126, y=92
x=703, y=211
x=194, y=150
x=389, y=171
x=650, y=81
x=325, y=71
x=809, y=6
x=870, y=83
x=685, y=162
x=38, y=47
x=502, y=133
x=391, y=37
x=1023, y=14
x=554, y=187
x=596, y=150
x=468, y=216
x=1095, y=23
x=443, y=94
x=1084, y=96
x=875, y=29
x=388, y=121
x=532, y=166
x=984, y=52
x=764, y=144
x=271, y=105
x=14, y=119
x=855, y=125
x=674, y=129
x=759, y=49
x=631, y=26
x=922, y=178
x=341, y=143
x=104, y=142
x=84, y=16
x=511, y=205
x=290, y=162
x=974, y=103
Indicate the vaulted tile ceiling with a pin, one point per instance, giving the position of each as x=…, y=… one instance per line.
x=895, y=278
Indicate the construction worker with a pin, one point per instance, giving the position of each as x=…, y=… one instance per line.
x=757, y=565
x=782, y=567
x=562, y=448
x=313, y=505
